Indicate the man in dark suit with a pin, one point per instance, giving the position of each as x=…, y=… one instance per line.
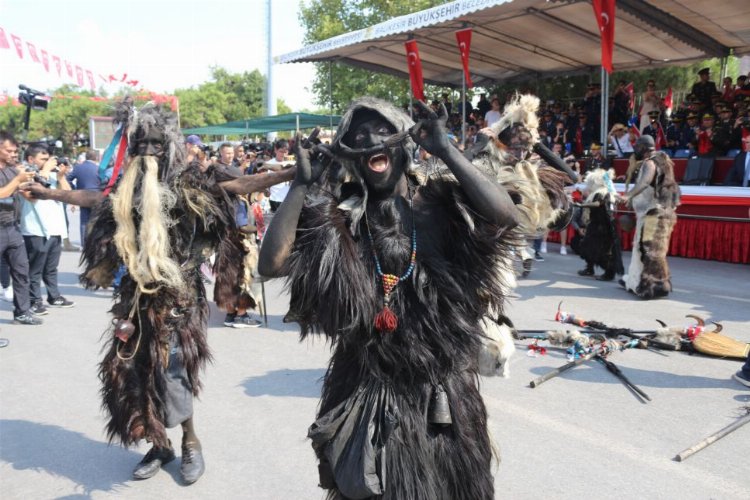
x=86, y=176
x=740, y=172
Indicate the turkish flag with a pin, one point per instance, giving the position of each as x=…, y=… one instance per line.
x=661, y=139
x=79, y=76
x=463, y=37
x=32, y=51
x=45, y=60
x=19, y=45
x=605, y=18
x=4, y=43
x=668, y=99
x=415, y=69
x=69, y=68
x=58, y=66
x=631, y=96
x=90, y=76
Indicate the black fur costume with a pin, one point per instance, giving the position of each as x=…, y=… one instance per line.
x=600, y=244
x=372, y=437
x=170, y=325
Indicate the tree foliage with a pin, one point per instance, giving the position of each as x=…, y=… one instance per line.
x=324, y=19
x=226, y=97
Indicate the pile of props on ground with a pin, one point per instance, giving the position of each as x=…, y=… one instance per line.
x=596, y=340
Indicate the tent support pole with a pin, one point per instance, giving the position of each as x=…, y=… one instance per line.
x=463, y=111
x=330, y=95
x=604, y=118
x=723, y=72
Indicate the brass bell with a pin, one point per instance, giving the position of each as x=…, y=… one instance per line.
x=439, y=411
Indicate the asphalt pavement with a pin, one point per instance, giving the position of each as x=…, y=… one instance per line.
x=581, y=435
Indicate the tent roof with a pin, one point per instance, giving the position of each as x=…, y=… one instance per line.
x=266, y=124
x=515, y=39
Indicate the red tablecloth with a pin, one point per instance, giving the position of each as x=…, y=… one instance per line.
x=721, y=168
x=726, y=241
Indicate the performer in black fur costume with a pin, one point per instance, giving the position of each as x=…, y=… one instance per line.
x=655, y=198
x=600, y=245
x=162, y=220
x=397, y=269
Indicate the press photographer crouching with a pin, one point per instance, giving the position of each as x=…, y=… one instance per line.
x=11, y=242
x=43, y=227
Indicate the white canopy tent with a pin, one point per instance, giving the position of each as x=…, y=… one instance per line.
x=516, y=39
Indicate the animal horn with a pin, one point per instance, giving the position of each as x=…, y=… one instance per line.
x=718, y=327
x=696, y=318
x=663, y=324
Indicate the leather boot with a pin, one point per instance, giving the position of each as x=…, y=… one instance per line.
x=193, y=466
x=152, y=462
x=586, y=271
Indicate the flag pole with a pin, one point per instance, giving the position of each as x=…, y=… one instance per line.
x=463, y=112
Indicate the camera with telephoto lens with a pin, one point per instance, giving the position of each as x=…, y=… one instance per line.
x=38, y=178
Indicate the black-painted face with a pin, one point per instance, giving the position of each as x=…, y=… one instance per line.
x=640, y=151
x=150, y=144
x=382, y=170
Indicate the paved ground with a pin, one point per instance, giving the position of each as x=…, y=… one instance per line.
x=582, y=435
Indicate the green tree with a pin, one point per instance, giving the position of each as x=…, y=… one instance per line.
x=324, y=19
x=226, y=97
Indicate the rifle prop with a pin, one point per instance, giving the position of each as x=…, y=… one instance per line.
x=684, y=454
x=581, y=357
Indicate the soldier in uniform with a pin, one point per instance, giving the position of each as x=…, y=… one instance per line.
x=652, y=128
x=723, y=131
x=704, y=89
x=706, y=134
x=690, y=131
x=674, y=134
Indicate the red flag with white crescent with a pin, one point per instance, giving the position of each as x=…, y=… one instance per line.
x=415, y=69
x=4, y=43
x=58, y=65
x=18, y=44
x=661, y=139
x=79, y=76
x=463, y=37
x=45, y=60
x=605, y=18
x=668, y=99
x=90, y=77
x=32, y=51
x=69, y=68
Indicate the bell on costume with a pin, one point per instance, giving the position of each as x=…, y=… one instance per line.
x=439, y=412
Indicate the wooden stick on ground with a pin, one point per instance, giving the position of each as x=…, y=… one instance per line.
x=713, y=438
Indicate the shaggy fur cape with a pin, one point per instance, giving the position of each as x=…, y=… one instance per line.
x=648, y=275
x=335, y=290
x=600, y=244
x=133, y=387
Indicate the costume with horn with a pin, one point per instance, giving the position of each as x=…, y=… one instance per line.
x=648, y=274
x=600, y=245
x=401, y=415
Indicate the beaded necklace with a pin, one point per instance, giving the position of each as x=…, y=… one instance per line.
x=386, y=320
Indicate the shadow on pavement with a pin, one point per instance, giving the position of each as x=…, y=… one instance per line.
x=304, y=383
x=594, y=372
x=92, y=465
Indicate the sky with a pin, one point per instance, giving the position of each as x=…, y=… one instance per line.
x=164, y=44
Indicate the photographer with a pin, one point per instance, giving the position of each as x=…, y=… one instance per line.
x=11, y=242
x=278, y=162
x=43, y=228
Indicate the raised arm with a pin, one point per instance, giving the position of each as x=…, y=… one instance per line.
x=80, y=197
x=487, y=197
x=258, y=182
x=281, y=233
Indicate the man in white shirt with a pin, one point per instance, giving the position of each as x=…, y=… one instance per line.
x=493, y=115
x=43, y=228
x=279, y=191
x=619, y=137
